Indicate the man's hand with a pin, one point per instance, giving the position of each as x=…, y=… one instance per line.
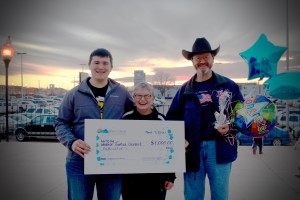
x=80, y=147
x=223, y=129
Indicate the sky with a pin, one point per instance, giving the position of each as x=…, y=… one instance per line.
x=59, y=35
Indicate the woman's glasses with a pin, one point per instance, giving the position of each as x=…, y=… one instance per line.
x=139, y=96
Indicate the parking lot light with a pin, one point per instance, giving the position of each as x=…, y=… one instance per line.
x=7, y=53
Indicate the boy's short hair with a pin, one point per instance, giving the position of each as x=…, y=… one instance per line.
x=102, y=53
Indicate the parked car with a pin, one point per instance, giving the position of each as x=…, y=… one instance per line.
x=159, y=101
x=39, y=126
x=296, y=132
x=294, y=123
x=34, y=111
x=14, y=121
x=296, y=102
x=25, y=104
x=40, y=102
x=276, y=137
x=12, y=107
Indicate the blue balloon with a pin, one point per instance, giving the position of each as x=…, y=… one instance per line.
x=262, y=58
x=284, y=86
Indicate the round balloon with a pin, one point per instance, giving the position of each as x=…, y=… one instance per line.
x=256, y=116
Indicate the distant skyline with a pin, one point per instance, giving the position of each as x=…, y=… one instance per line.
x=58, y=36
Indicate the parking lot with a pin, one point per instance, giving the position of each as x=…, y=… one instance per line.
x=35, y=170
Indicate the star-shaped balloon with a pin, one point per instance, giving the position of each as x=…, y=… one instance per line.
x=250, y=111
x=262, y=58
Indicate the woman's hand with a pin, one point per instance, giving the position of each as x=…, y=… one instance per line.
x=80, y=147
x=168, y=185
x=186, y=144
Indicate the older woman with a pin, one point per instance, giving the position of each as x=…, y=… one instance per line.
x=145, y=186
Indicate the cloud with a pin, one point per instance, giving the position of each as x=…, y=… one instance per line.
x=145, y=35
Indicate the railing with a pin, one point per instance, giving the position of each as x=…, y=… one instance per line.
x=162, y=109
x=17, y=119
x=26, y=116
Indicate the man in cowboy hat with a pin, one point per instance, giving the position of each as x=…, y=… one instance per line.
x=210, y=149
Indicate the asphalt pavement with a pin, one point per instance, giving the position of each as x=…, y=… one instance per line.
x=35, y=170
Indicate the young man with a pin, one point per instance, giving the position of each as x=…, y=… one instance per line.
x=97, y=97
x=210, y=150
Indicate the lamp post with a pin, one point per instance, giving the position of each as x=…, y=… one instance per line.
x=82, y=66
x=82, y=74
x=22, y=88
x=287, y=62
x=7, y=53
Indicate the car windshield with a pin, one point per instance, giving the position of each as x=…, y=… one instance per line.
x=50, y=119
x=293, y=118
x=47, y=111
x=30, y=110
x=39, y=110
x=17, y=117
x=38, y=120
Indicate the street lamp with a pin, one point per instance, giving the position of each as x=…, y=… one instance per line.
x=7, y=53
x=82, y=66
x=22, y=88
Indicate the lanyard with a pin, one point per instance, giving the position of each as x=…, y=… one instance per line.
x=100, y=103
x=101, y=106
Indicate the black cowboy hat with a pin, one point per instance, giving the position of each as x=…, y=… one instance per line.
x=201, y=45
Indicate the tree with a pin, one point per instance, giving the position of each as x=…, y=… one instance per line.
x=161, y=80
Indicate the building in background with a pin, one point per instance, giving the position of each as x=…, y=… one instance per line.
x=139, y=76
x=82, y=76
x=252, y=88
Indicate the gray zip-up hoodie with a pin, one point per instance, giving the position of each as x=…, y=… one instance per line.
x=80, y=104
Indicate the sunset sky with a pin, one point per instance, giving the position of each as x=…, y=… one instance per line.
x=59, y=35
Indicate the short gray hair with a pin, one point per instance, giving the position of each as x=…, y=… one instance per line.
x=145, y=85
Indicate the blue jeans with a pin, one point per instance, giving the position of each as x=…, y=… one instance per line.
x=218, y=175
x=81, y=187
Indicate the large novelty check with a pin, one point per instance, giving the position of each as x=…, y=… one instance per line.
x=134, y=146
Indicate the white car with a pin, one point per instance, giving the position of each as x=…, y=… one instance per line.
x=14, y=121
x=296, y=132
x=294, y=123
x=25, y=104
x=296, y=102
x=158, y=102
x=12, y=107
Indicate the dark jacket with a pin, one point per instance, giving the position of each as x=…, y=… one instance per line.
x=185, y=106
